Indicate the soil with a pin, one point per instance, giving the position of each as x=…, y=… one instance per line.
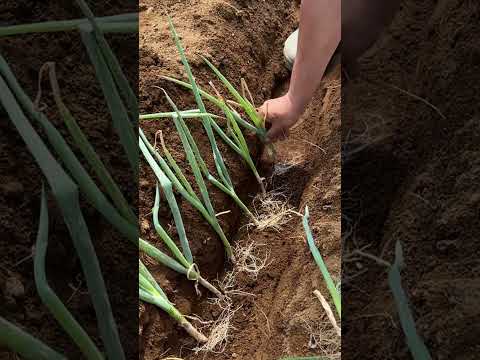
x=20, y=182
x=412, y=176
x=279, y=315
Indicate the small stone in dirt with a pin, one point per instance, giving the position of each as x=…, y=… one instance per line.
x=13, y=288
x=145, y=225
x=35, y=316
x=9, y=304
x=183, y=305
x=148, y=61
x=12, y=188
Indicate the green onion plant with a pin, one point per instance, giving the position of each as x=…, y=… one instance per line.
x=66, y=193
x=29, y=347
x=160, y=167
x=124, y=23
x=415, y=343
x=334, y=292
x=183, y=260
x=207, y=121
x=186, y=114
x=48, y=296
x=236, y=139
x=149, y=291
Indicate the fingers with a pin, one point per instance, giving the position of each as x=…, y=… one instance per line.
x=275, y=129
x=263, y=112
x=277, y=132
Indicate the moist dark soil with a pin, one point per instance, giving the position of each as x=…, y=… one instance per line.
x=21, y=180
x=280, y=316
x=415, y=181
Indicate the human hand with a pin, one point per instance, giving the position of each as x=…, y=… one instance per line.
x=280, y=114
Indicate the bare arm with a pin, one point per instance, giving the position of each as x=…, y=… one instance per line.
x=319, y=36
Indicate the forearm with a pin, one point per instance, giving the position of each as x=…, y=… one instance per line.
x=319, y=36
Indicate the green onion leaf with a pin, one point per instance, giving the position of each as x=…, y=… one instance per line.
x=48, y=296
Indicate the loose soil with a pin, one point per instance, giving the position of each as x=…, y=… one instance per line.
x=20, y=182
x=279, y=316
x=415, y=181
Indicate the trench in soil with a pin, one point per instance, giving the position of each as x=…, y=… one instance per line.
x=281, y=316
x=295, y=175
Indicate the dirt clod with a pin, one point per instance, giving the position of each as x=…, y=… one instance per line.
x=14, y=288
x=12, y=188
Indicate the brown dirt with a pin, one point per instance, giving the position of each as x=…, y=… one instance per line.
x=281, y=314
x=20, y=182
x=417, y=182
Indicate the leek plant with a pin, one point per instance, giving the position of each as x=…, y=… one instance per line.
x=124, y=23
x=124, y=109
x=160, y=166
x=24, y=344
x=66, y=193
x=236, y=141
x=186, y=114
x=48, y=296
x=152, y=293
x=415, y=343
x=225, y=182
x=334, y=292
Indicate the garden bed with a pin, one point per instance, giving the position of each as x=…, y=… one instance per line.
x=21, y=181
x=416, y=182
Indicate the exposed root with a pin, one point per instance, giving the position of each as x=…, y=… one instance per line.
x=238, y=11
x=248, y=261
x=220, y=329
x=323, y=339
x=355, y=143
x=416, y=97
x=271, y=212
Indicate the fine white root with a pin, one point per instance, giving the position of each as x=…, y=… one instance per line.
x=323, y=339
x=247, y=259
x=219, y=329
x=271, y=212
